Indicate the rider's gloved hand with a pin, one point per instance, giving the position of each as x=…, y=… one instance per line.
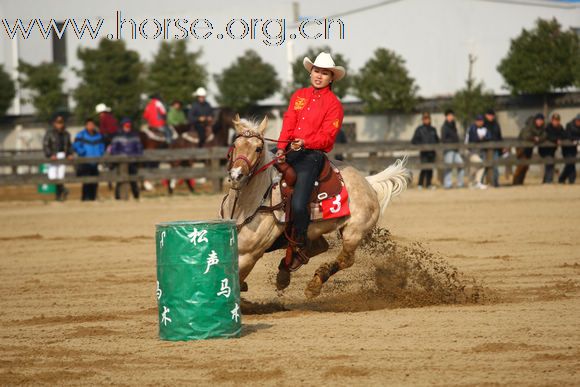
x=297, y=144
x=280, y=155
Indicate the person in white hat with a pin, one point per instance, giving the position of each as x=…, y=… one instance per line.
x=108, y=124
x=201, y=115
x=311, y=124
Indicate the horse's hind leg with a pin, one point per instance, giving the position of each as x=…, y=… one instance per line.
x=351, y=238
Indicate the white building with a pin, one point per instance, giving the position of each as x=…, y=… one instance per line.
x=433, y=36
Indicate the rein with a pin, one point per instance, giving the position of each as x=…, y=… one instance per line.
x=252, y=168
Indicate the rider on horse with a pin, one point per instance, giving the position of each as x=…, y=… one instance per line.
x=311, y=124
x=156, y=116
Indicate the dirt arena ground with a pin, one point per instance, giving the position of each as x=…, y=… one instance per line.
x=78, y=304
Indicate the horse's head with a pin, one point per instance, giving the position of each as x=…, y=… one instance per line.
x=247, y=151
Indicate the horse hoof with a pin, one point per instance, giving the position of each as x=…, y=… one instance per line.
x=314, y=287
x=282, y=279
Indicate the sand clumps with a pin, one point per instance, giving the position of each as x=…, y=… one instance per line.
x=390, y=274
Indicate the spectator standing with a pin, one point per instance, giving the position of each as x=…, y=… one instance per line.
x=89, y=143
x=108, y=124
x=571, y=133
x=449, y=135
x=554, y=135
x=477, y=133
x=128, y=143
x=156, y=116
x=426, y=134
x=56, y=146
x=494, y=128
x=201, y=114
x=535, y=133
x=176, y=115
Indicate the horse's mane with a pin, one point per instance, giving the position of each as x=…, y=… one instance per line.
x=250, y=125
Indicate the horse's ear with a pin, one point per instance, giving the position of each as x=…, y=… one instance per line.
x=236, y=121
x=263, y=125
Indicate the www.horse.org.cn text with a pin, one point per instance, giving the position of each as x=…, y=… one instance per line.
x=269, y=31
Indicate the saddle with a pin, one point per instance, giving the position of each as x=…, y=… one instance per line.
x=328, y=185
x=158, y=135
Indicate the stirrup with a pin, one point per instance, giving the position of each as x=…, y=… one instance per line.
x=295, y=258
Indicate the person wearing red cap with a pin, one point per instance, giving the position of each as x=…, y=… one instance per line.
x=127, y=142
x=311, y=124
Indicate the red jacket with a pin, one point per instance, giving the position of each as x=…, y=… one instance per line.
x=108, y=124
x=313, y=115
x=155, y=114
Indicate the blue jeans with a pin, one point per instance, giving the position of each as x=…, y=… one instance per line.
x=168, y=133
x=307, y=164
x=452, y=156
x=496, y=155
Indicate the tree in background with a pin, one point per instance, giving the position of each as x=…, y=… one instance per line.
x=246, y=82
x=301, y=79
x=471, y=100
x=542, y=60
x=174, y=72
x=111, y=74
x=384, y=83
x=45, y=84
x=7, y=91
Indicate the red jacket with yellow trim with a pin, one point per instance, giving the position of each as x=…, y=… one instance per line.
x=314, y=115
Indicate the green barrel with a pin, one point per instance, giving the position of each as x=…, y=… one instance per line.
x=45, y=188
x=198, y=288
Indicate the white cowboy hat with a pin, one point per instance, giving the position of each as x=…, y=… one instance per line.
x=102, y=108
x=200, y=92
x=324, y=61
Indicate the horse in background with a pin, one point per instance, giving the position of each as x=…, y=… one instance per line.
x=216, y=134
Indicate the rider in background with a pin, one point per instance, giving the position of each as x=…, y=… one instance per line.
x=311, y=123
x=201, y=114
x=156, y=116
x=176, y=115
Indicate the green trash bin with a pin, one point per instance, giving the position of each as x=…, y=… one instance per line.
x=198, y=289
x=45, y=188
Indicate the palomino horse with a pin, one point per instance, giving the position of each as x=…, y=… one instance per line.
x=252, y=182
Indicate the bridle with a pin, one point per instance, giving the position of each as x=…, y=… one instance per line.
x=253, y=168
x=259, y=150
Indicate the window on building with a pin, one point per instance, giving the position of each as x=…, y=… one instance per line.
x=59, y=46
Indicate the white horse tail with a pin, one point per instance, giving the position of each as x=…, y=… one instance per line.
x=391, y=182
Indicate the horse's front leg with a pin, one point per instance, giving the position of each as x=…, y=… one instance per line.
x=247, y=262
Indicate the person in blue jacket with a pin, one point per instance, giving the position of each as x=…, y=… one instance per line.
x=127, y=142
x=89, y=143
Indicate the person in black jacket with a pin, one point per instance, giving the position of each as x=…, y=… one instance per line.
x=492, y=125
x=571, y=133
x=201, y=115
x=477, y=133
x=57, y=145
x=449, y=135
x=554, y=134
x=426, y=134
